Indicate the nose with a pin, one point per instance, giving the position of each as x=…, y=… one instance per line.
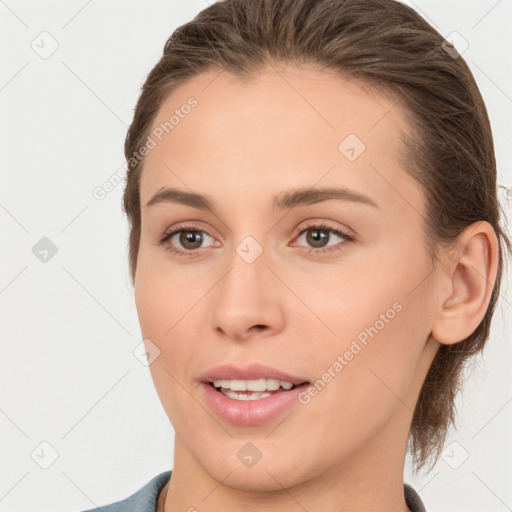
x=248, y=300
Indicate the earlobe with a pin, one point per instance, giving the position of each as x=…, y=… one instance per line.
x=469, y=275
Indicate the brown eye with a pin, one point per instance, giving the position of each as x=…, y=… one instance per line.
x=318, y=236
x=186, y=240
x=190, y=239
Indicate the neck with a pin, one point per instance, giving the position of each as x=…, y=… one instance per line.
x=161, y=503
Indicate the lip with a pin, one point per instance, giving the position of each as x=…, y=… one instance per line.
x=249, y=412
x=251, y=372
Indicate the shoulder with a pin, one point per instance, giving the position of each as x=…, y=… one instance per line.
x=144, y=500
x=413, y=500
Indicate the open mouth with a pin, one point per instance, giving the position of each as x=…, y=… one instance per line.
x=252, y=402
x=264, y=391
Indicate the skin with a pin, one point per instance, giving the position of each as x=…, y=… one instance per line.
x=243, y=143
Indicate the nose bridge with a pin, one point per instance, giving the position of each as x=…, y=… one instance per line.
x=246, y=296
x=244, y=285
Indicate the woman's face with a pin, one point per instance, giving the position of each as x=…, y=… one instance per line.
x=258, y=281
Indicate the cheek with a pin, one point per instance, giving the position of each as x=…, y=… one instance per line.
x=165, y=308
x=361, y=299
x=362, y=385
x=381, y=322
x=164, y=292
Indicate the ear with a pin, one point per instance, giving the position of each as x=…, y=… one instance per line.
x=467, y=279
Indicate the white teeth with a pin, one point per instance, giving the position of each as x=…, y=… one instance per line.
x=272, y=384
x=252, y=385
x=255, y=395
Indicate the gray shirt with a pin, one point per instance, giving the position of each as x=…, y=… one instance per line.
x=145, y=499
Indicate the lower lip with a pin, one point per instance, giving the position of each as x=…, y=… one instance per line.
x=250, y=412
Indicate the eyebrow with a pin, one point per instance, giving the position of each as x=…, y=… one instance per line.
x=284, y=201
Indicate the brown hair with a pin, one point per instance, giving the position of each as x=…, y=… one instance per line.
x=388, y=46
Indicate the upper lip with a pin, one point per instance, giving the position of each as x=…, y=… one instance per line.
x=251, y=372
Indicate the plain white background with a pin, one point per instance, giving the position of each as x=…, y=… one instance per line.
x=69, y=377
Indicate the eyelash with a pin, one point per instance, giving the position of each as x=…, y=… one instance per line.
x=314, y=226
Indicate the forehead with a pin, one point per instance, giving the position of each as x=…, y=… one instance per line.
x=287, y=125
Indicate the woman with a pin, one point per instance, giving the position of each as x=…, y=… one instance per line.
x=315, y=249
